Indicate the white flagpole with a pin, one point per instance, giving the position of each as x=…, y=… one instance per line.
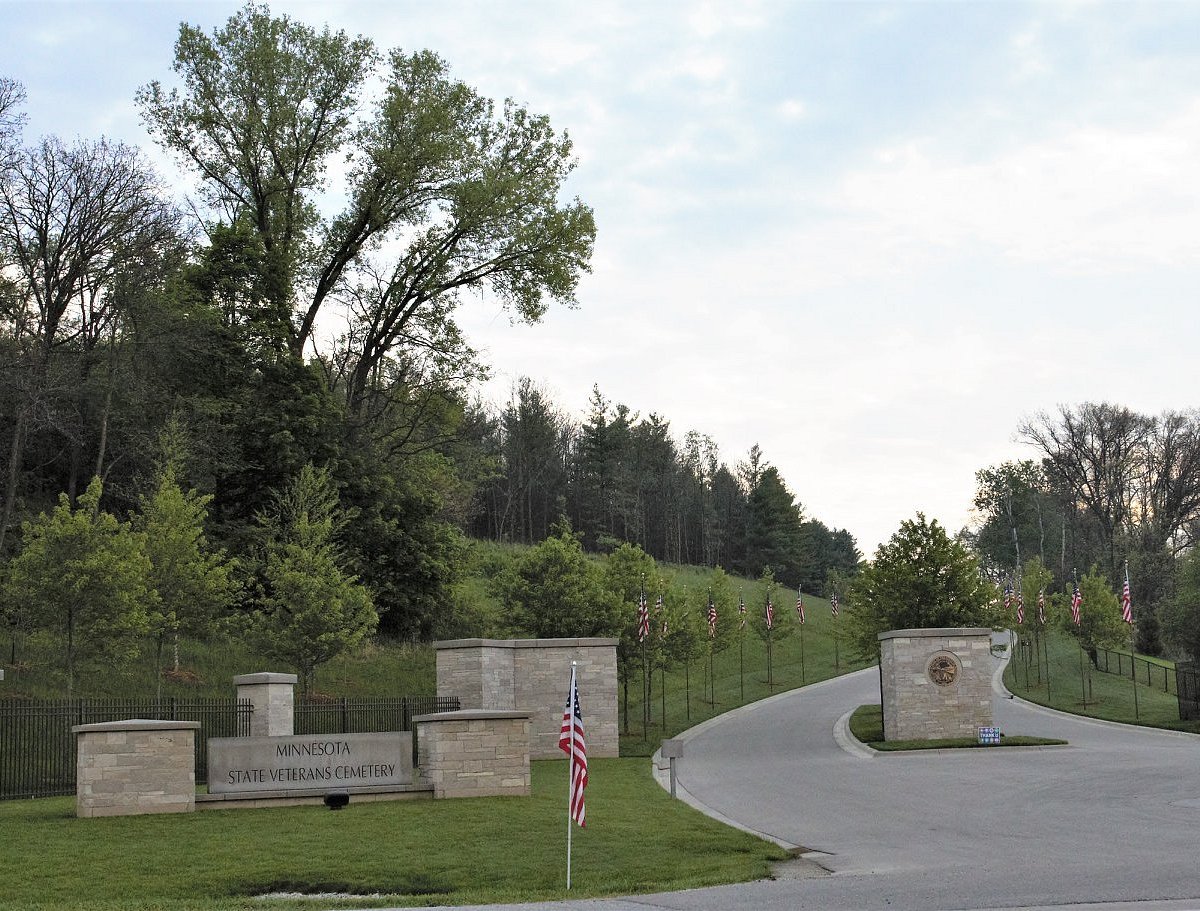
x=570, y=768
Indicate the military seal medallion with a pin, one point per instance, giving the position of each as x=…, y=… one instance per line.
x=942, y=670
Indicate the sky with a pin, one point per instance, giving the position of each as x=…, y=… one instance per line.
x=872, y=238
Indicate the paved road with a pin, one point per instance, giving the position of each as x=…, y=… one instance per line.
x=1112, y=818
x=1115, y=816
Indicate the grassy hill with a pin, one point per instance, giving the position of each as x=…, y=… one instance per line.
x=694, y=690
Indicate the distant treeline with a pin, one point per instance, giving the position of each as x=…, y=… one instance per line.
x=621, y=478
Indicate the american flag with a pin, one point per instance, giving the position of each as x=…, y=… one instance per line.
x=643, y=617
x=1076, y=600
x=712, y=619
x=661, y=611
x=800, y=605
x=1126, y=602
x=571, y=742
x=1008, y=592
x=1042, y=607
x=833, y=606
x=1020, y=608
x=742, y=612
x=770, y=614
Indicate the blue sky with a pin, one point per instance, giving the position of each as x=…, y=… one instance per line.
x=871, y=238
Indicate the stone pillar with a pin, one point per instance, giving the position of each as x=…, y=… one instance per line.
x=935, y=683
x=274, y=701
x=127, y=768
x=474, y=753
x=532, y=675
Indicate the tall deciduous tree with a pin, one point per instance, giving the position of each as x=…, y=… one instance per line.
x=919, y=578
x=73, y=219
x=466, y=196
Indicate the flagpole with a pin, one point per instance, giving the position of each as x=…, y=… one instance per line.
x=1132, y=647
x=570, y=769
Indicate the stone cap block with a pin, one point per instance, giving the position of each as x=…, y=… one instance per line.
x=471, y=715
x=252, y=679
x=591, y=641
x=136, y=724
x=935, y=632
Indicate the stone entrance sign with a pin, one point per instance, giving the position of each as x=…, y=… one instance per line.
x=935, y=683
x=237, y=765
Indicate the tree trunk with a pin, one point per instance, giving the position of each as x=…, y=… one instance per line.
x=15, y=457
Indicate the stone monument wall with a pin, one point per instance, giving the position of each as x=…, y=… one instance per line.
x=935, y=683
x=474, y=753
x=126, y=768
x=532, y=675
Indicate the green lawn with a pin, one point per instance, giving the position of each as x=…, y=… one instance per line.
x=1072, y=685
x=412, y=853
x=740, y=673
x=867, y=725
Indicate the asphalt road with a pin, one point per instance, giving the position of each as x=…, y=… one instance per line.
x=1111, y=821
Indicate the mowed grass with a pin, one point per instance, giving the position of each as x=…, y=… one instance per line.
x=401, y=853
x=1070, y=684
x=739, y=673
x=866, y=723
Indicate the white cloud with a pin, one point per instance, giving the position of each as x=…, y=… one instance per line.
x=1089, y=198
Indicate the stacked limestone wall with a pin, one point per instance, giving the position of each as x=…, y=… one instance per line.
x=130, y=767
x=935, y=683
x=533, y=675
x=474, y=753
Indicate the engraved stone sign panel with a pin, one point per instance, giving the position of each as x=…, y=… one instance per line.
x=309, y=762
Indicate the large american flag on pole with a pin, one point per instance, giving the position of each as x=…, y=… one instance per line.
x=571, y=742
x=1076, y=600
x=658, y=606
x=1042, y=607
x=1126, y=602
x=643, y=617
x=1008, y=593
x=770, y=614
x=1020, y=608
x=742, y=612
x=800, y=605
x=712, y=619
x=834, y=608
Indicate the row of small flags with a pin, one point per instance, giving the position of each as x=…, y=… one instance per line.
x=1076, y=602
x=643, y=615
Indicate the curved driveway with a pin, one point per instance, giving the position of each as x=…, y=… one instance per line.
x=1115, y=816
x=1109, y=823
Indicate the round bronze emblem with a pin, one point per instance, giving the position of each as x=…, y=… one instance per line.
x=943, y=670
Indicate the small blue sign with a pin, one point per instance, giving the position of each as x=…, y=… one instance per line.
x=989, y=735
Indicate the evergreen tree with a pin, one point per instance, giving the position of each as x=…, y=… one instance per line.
x=311, y=609
x=193, y=583
x=773, y=535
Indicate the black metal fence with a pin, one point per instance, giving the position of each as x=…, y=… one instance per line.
x=1187, y=681
x=1148, y=672
x=358, y=716
x=37, y=748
